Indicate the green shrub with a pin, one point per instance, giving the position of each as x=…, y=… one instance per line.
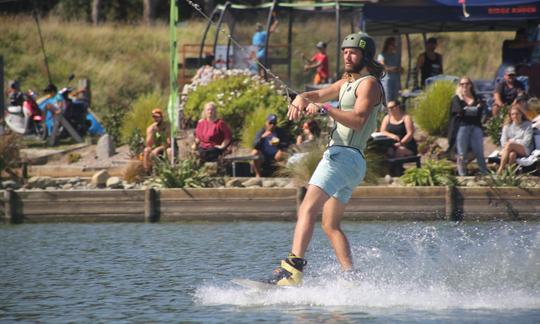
x=495, y=125
x=431, y=108
x=112, y=121
x=136, y=142
x=140, y=115
x=236, y=95
x=432, y=173
x=186, y=173
x=253, y=123
x=509, y=177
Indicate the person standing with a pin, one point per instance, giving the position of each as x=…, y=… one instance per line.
x=319, y=62
x=212, y=135
x=343, y=165
x=389, y=57
x=467, y=107
x=429, y=63
x=259, y=41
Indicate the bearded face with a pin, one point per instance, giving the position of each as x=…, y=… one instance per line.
x=353, y=60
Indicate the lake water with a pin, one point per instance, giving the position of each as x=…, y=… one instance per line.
x=181, y=272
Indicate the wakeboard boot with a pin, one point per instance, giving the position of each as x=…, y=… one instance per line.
x=289, y=273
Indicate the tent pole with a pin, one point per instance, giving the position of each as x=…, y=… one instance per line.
x=289, y=46
x=205, y=33
x=409, y=61
x=218, y=28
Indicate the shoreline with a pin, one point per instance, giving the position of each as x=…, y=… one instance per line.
x=368, y=203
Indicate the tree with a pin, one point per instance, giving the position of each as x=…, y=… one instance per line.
x=96, y=11
x=149, y=11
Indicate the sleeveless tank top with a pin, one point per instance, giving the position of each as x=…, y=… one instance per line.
x=431, y=67
x=400, y=130
x=342, y=135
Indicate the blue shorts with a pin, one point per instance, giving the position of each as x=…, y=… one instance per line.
x=338, y=173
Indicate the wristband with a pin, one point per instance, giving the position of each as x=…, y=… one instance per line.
x=326, y=107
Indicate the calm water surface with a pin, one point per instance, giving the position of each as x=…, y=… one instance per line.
x=181, y=272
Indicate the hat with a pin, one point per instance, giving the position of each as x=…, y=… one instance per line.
x=157, y=111
x=14, y=84
x=272, y=118
x=50, y=88
x=510, y=70
x=321, y=44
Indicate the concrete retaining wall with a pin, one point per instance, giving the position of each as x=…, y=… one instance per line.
x=367, y=203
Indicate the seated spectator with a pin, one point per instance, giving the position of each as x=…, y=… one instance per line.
x=157, y=140
x=310, y=132
x=319, y=62
x=516, y=138
x=212, y=135
x=390, y=58
x=399, y=126
x=507, y=90
x=269, y=145
x=467, y=106
x=14, y=94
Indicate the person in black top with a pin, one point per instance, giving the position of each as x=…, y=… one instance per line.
x=429, y=63
x=507, y=90
x=399, y=126
x=468, y=108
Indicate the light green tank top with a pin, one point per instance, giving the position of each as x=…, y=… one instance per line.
x=342, y=135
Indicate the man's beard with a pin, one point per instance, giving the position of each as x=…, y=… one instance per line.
x=356, y=68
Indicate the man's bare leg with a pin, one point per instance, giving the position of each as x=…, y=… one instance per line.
x=307, y=215
x=331, y=219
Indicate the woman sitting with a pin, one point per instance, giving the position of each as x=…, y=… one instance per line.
x=212, y=135
x=399, y=126
x=516, y=138
x=467, y=108
x=310, y=132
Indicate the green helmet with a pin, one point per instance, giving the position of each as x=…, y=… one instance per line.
x=362, y=41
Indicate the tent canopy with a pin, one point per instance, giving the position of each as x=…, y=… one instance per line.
x=387, y=17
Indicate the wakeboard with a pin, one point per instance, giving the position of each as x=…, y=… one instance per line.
x=253, y=284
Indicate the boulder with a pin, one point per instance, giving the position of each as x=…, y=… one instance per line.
x=99, y=179
x=253, y=182
x=114, y=183
x=234, y=182
x=40, y=182
x=105, y=147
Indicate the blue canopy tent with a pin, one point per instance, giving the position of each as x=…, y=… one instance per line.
x=404, y=17
x=422, y=16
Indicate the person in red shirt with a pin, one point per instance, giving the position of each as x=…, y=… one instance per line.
x=212, y=135
x=319, y=61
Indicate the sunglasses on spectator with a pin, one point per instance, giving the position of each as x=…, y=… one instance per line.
x=392, y=107
x=464, y=83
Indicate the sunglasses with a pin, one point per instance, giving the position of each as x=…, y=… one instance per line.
x=464, y=83
x=392, y=107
